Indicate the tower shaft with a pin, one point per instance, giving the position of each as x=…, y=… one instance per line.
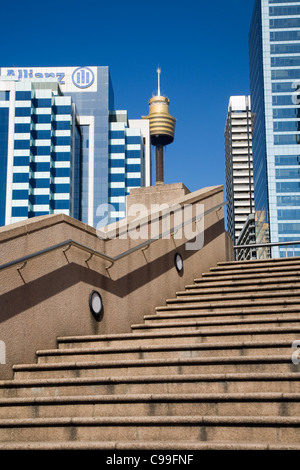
x=159, y=164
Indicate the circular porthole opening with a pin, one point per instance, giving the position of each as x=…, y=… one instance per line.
x=96, y=305
x=178, y=261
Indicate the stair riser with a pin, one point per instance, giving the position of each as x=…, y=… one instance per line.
x=159, y=370
x=141, y=387
x=227, y=320
x=259, y=287
x=245, y=275
x=261, y=282
x=251, y=292
x=209, y=330
x=195, y=338
x=257, y=270
x=271, y=351
x=251, y=408
x=149, y=433
x=236, y=306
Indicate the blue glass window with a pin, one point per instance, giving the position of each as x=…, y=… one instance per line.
x=117, y=177
x=41, y=102
x=284, y=35
x=22, y=112
x=288, y=187
x=116, y=135
x=39, y=183
x=282, y=74
x=61, y=140
x=40, y=150
x=21, y=161
x=39, y=199
x=21, y=144
x=40, y=166
x=285, y=23
x=60, y=172
x=133, y=139
x=20, y=177
x=288, y=200
x=285, y=173
x=60, y=156
x=65, y=109
x=19, y=211
x=285, y=10
x=41, y=118
x=115, y=192
x=60, y=188
x=4, y=95
x=116, y=148
x=283, y=87
x=22, y=128
x=289, y=228
x=133, y=168
x=133, y=182
x=56, y=204
x=285, y=61
x=285, y=48
x=42, y=134
x=23, y=95
x=282, y=126
x=18, y=194
x=117, y=163
x=287, y=160
x=286, y=113
x=61, y=125
x=289, y=139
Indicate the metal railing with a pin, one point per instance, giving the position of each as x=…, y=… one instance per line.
x=112, y=259
x=267, y=245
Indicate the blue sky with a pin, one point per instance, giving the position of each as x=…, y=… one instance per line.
x=201, y=47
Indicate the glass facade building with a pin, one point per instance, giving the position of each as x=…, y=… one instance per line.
x=274, y=58
x=57, y=143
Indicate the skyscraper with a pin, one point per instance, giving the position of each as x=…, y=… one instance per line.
x=239, y=169
x=57, y=143
x=274, y=54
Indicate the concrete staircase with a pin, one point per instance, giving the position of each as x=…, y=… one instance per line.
x=212, y=369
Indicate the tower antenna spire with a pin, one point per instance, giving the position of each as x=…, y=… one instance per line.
x=158, y=80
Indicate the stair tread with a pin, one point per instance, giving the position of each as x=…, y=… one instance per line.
x=164, y=347
x=257, y=376
x=142, y=445
x=168, y=397
x=150, y=362
x=154, y=420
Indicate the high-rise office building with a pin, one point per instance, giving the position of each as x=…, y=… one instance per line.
x=239, y=168
x=63, y=147
x=274, y=54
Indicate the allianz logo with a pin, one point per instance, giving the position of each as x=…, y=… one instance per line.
x=82, y=77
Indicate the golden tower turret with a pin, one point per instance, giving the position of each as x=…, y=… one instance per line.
x=162, y=128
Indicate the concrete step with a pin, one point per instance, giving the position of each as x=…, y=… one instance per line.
x=253, y=294
x=250, y=348
x=204, y=365
x=230, y=404
x=235, y=305
x=236, y=282
x=190, y=321
x=251, y=314
x=223, y=325
x=260, y=264
x=266, y=429
x=278, y=382
x=267, y=289
x=254, y=269
x=176, y=336
x=246, y=275
x=137, y=446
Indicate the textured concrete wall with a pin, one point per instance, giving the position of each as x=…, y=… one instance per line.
x=48, y=297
